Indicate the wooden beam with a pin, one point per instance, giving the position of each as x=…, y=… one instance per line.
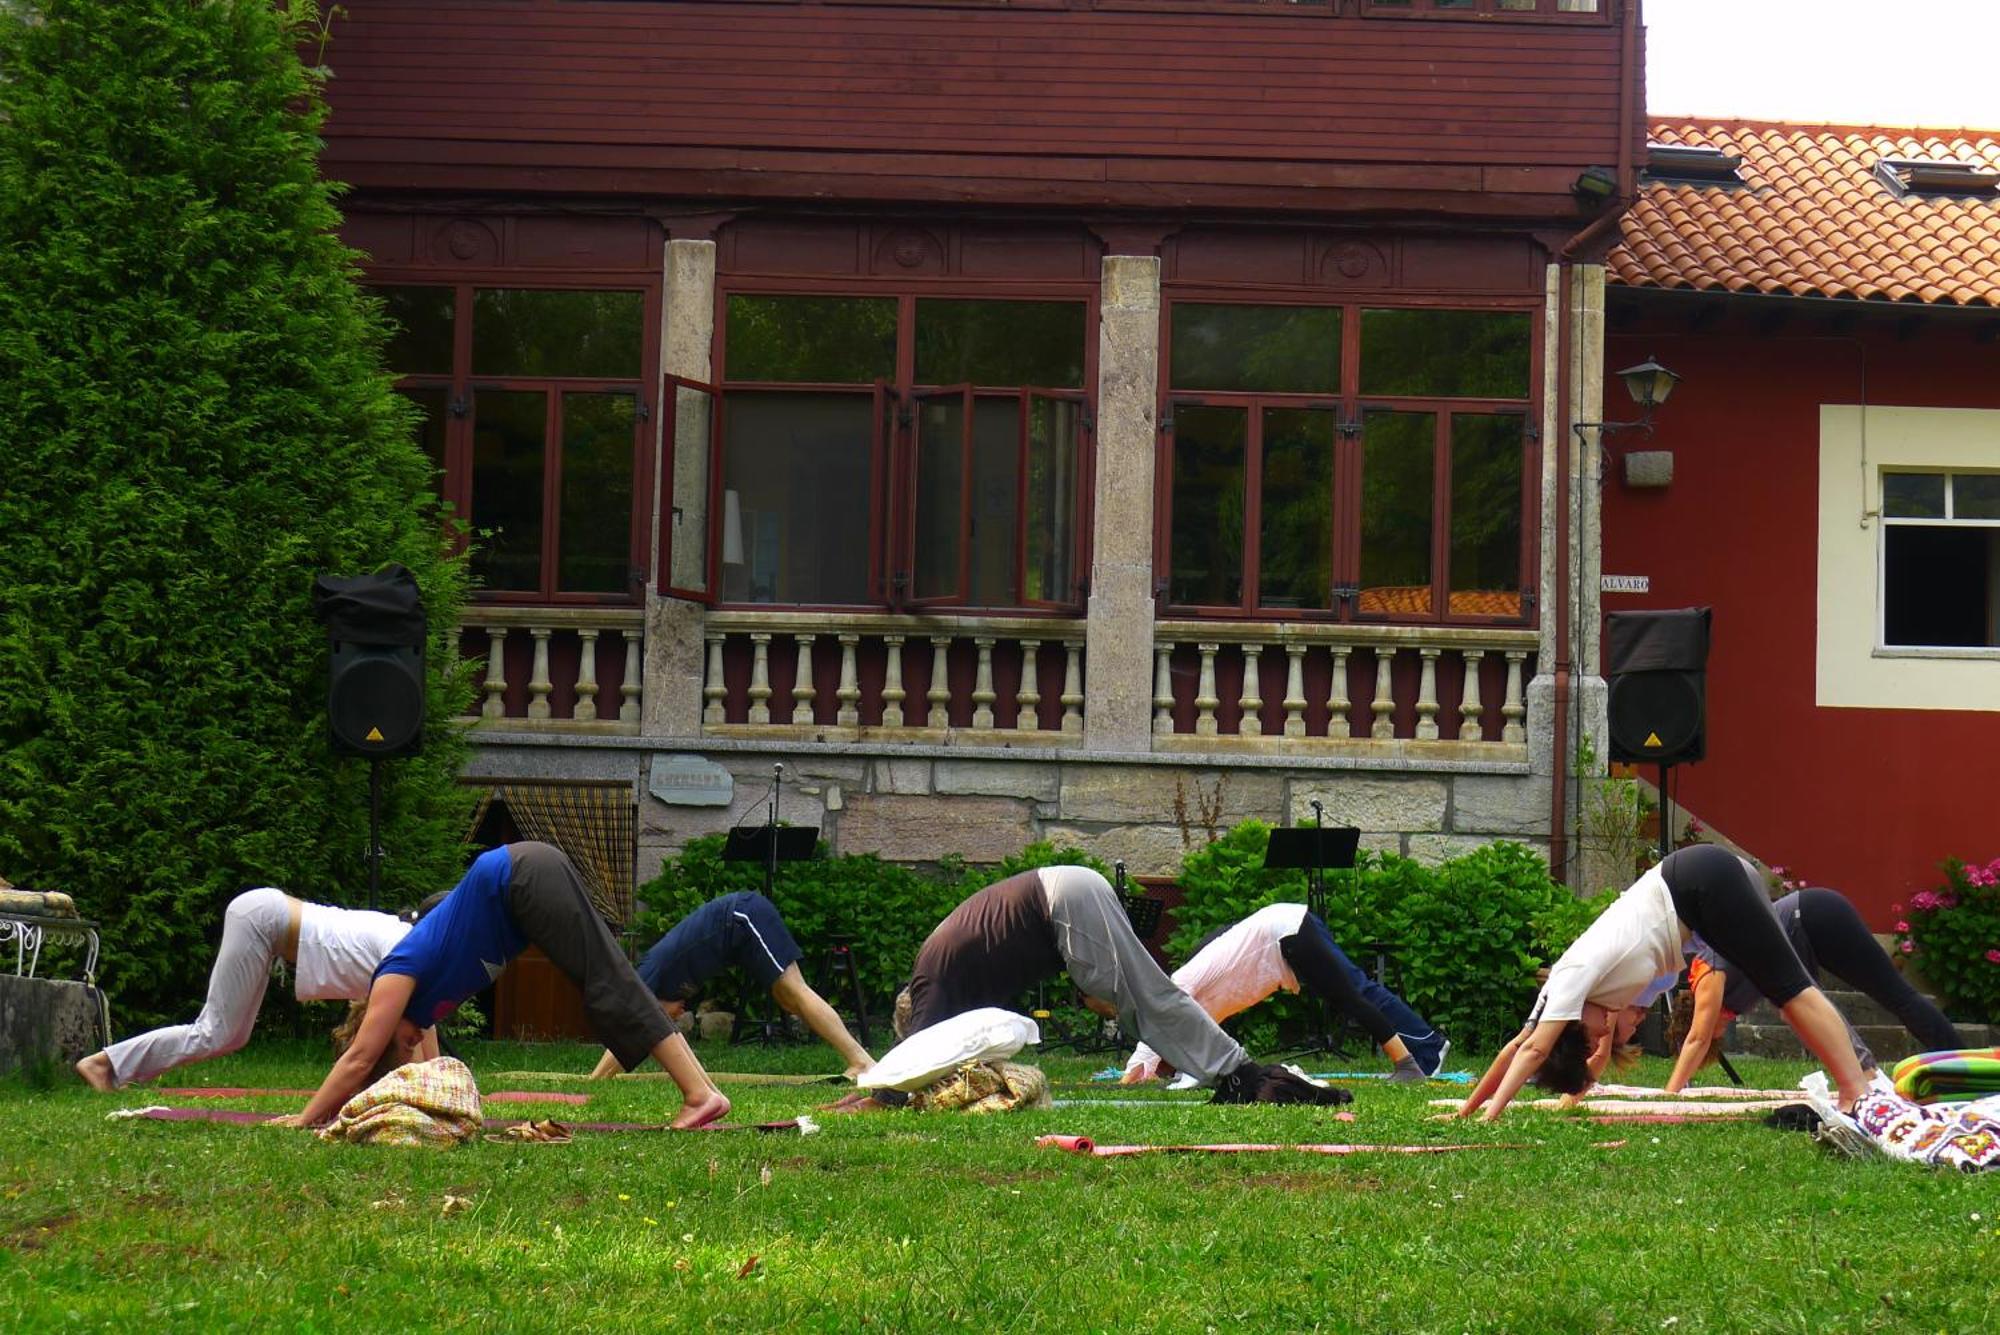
x=1909, y=326
x=1772, y=321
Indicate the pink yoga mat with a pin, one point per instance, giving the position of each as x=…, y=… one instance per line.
x=239, y=1117
x=1085, y=1145
x=237, y=1092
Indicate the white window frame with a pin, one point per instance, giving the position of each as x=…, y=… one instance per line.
x=1884, y=649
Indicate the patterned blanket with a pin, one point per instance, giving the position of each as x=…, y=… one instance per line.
x=1964, y=1136
x=432, y=1104
x=1939, y=1077
x=985, y=1086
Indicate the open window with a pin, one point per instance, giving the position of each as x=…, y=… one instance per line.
x=687, y=449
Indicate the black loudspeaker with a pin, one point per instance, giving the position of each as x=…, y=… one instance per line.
x=375, y=628
x=1657, y=671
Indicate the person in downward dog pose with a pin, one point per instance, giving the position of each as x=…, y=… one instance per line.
x=1701, y=890
x=333, y=952
x=515, y=896
x=742, y=930
x=1029, y=927
x=1824, y=930
x=1284, y=946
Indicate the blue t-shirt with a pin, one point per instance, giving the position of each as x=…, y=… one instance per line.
x=462, y=945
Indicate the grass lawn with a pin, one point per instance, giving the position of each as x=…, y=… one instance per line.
x=906, y=1221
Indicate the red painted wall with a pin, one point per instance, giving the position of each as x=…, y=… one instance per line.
x=1866, y=801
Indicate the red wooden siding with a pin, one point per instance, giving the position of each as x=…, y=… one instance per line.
x=1256, y=108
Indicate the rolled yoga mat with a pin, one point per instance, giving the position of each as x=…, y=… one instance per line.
x=237, y=1092
x=1085, y=1145
x=1949, y=1077
x=240, y=1117
x=719, y=1077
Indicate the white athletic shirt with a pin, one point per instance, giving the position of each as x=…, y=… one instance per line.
x=339, y=949
x=1235, y=971
x=1632, y=943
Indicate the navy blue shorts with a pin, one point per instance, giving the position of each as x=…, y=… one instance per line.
x=741, y=931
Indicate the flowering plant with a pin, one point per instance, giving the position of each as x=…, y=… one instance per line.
x=1953, y=932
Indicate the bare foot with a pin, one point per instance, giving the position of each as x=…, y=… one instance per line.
x=858, y=1069
x=858, y=1101
x=695, y=1115
x=96, y=1072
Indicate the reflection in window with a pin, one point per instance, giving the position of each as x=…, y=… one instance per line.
x=797, y=475
x=431, y=402
x=1295, y=530
x=1054, y=431
x=1206, y=543
x=1486, y=515
x=1257, y=349
x=1397, y=467
x=507, y=458
x=596, y=516
x=533, y=332
x=421, y=342
x=997, y=343
x=811, y=340
x=940, y=495
x=1445, y=354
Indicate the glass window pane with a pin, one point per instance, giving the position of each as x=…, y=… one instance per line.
x=1975, y=496
x=421, y=342
x=798, y=476
x=432, y=406
x=530, y=332
x=1486, y=515
x=508, y=437
x=1206, y=544
x=1295, y=531
x=1913, y=495
x=1445, y=354
x=1577, y=6
x=811, y=340
x=1053, y=434
x=1397, y=465
x=595, y=552
x=1941, y=586
x=1275, y=349
x=940, y=496
x=999, y=343
x=996, y=501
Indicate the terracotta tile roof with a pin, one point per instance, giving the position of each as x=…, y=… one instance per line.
x=1812, y=218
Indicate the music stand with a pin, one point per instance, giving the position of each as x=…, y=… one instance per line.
x=1314, y=849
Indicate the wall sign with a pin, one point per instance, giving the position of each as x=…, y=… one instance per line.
x=690, y=781
x=1626, y=584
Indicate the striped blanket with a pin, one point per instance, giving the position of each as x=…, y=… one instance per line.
x=432, y=1104
x=1949, y=1077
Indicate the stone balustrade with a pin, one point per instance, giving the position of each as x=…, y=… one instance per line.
x=992, y=681
x=566, y=669
x=1290, y=687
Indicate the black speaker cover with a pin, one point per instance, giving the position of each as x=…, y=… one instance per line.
x=1658, y=685
x=375, y=678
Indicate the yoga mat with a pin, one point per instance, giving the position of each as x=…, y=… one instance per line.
x=1634, y=1108
x=719, y=1077
x=235, y=1092
x=240, y=1117
x=1450, y=1077
x=1674, y=1119
x=1725, y=1093
x=1085, y=1145
x=1154, y=1103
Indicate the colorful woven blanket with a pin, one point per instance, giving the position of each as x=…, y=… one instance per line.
x=1963, y=1136
x=433, y=1105
x=1943, y=1077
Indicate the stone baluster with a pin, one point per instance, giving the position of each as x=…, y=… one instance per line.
x=631, y=684
x=1337, y=703
x=1163, y=687
x=1469, y=709
x=1251, y=701
x=982, y=683
x=939, y=695
x=1513, y=710
x=803, y=690
x=1295, y=690
x=1072, y=692
x=1384, y=703
x=496, y=673
x=539, y=684
x=1427, y=697
x=760, y=676
x=892, y=683
x=1029, y=697
x=713, y=688
x=1205, y=699
x=585, y=708
x=849, y=691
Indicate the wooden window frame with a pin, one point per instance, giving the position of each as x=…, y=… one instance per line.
x=462, y=387
x=1348, y=479
x=891, y=516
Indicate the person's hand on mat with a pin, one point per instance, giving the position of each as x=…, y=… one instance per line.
x=292, y=1120
x=1569, y=1101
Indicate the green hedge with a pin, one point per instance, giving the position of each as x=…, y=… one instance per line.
x=1467, y=935
x=196, y=422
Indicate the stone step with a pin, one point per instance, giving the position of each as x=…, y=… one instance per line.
x=1859, y=1008
x=1889, y=1042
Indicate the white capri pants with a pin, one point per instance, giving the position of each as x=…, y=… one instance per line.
x=253, y=933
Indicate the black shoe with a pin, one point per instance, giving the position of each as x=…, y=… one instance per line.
x=1255, y=1083
x=1794, y=1117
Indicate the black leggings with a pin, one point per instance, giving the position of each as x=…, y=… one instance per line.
x=1848, y=950
x=1715, y=896
x=547, y=901
x=1309, y=953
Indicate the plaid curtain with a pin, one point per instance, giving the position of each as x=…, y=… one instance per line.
x=596, y=825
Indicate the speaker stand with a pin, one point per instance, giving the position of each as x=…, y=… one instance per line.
x=374, y=830
x=1666, y=814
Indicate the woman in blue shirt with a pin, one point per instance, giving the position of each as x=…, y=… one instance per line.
x=513, y=897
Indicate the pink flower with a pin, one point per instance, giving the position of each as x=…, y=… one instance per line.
x=1922, y=901
x=1946, y=900
x=1903, y=927
x=1779, y=872
x=1909, y=947
x=1993, y=957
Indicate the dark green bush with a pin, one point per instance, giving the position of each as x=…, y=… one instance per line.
x=1468, y=935
x=1954, y=934
x=195, y=422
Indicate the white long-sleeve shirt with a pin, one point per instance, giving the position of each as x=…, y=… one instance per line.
x=1235, y=971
